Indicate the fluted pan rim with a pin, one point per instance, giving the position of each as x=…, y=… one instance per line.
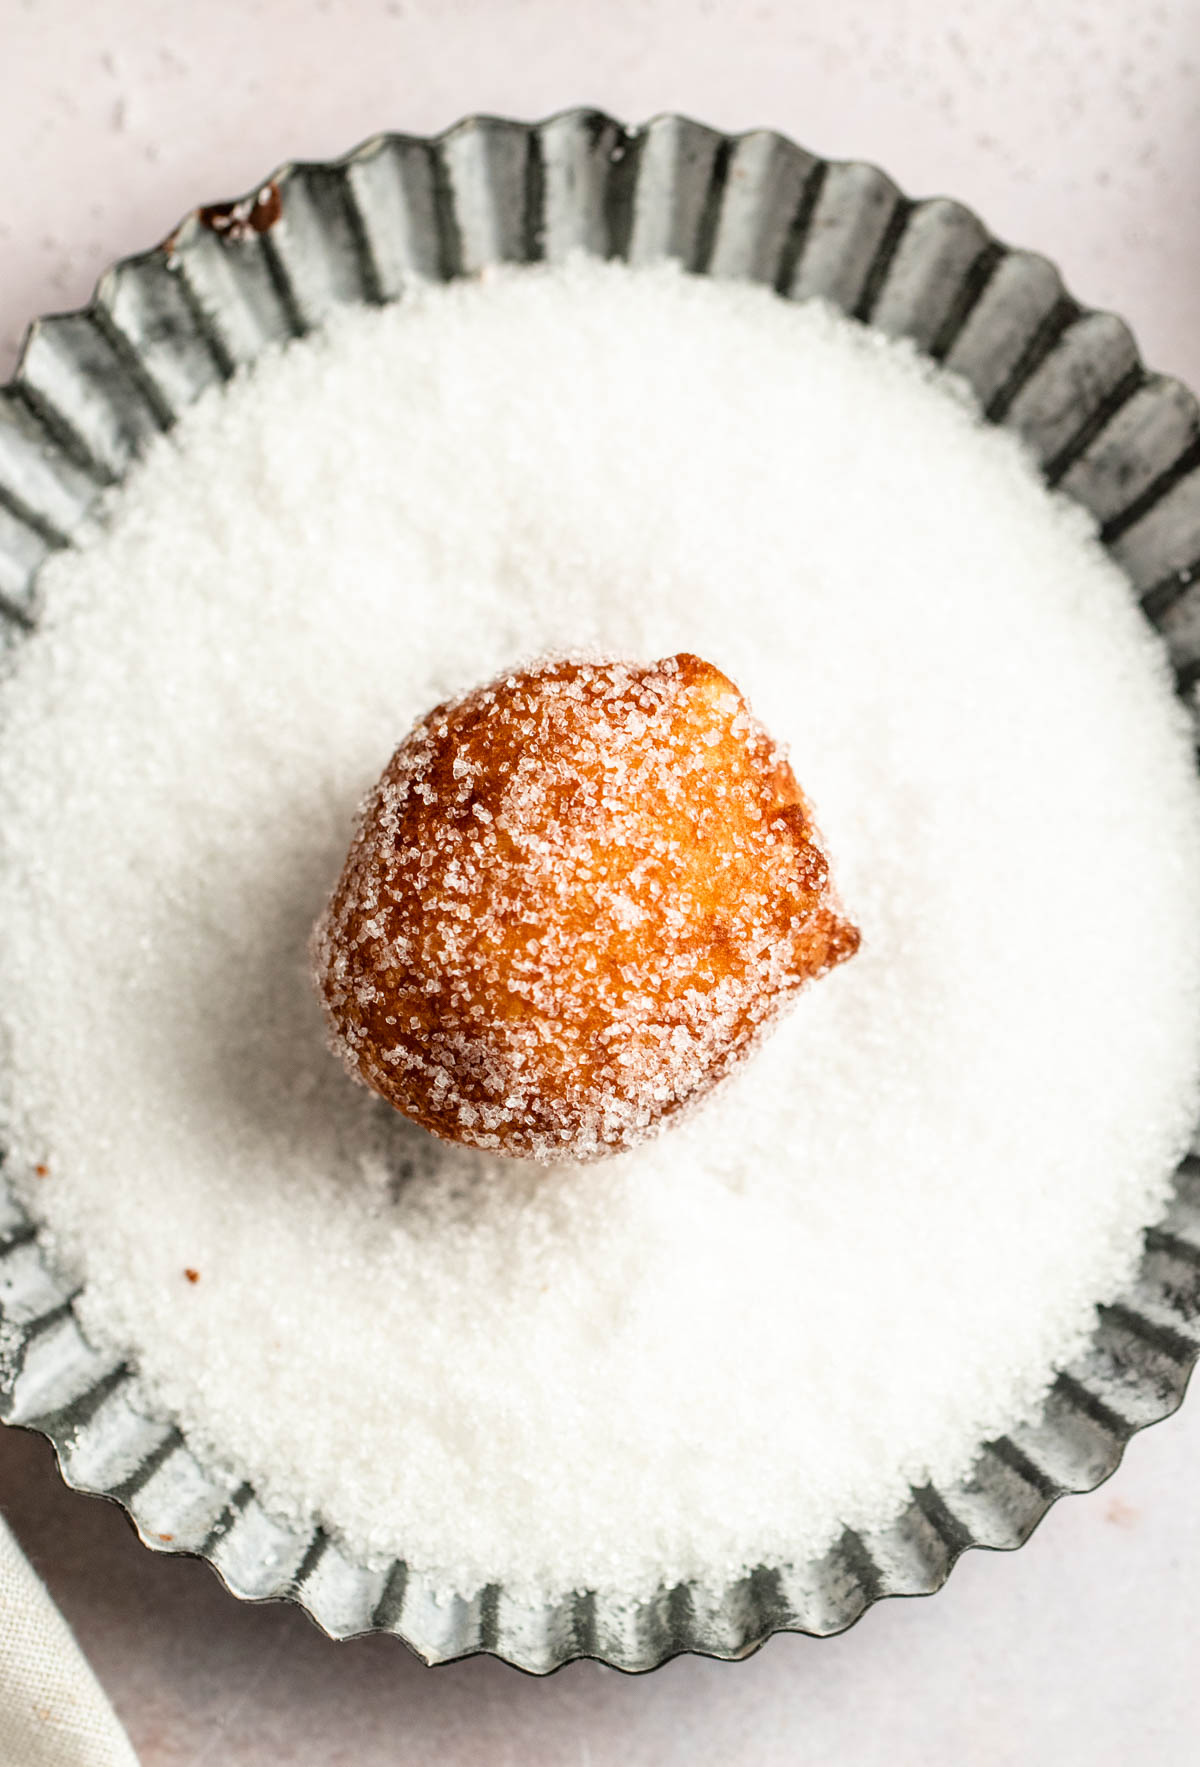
x=90, y=389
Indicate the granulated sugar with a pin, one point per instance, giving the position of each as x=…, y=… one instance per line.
x=867, y=1251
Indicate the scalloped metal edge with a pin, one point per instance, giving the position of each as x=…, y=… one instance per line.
x=93, y=386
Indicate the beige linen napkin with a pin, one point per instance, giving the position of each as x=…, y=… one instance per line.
x=52, y=1710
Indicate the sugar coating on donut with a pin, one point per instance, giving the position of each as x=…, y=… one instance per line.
x=572, y=901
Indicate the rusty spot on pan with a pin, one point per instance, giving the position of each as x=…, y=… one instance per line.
x=242, y=220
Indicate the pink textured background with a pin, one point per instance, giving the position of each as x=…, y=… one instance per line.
x=1073, y=128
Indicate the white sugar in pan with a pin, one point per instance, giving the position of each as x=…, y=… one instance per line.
x=869, y=1249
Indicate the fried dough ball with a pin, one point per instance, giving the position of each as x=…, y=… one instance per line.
x=573, y=899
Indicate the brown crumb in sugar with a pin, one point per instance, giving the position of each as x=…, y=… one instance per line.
x=192, y=1275
x=574, y=898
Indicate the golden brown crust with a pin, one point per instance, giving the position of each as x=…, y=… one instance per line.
x=573, y=898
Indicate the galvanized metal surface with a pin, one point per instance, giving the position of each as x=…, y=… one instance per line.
x=93, y=387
